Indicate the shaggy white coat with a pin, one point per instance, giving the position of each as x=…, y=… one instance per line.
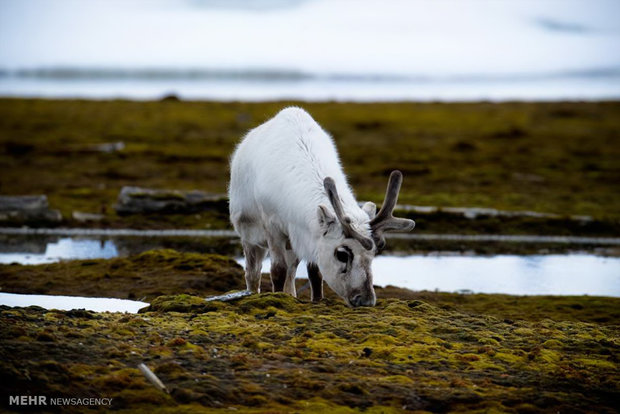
x=277, y=174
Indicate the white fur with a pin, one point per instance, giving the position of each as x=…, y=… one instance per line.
x=277, y=195
x=277, y=175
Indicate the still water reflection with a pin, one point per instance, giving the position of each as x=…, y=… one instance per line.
x=572, y=274
x=51, y=251
x=72, y=302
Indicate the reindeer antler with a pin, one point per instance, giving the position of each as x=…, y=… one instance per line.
x=384, y=220
x=347, y=229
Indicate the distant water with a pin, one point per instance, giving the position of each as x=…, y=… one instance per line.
x=571, y=274
x=283, y=85
x=366, y=50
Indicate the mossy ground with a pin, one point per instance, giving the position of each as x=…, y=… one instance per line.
x=144, y=276
x=274, y=353
x=552, y=157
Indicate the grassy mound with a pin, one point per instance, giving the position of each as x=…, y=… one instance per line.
x=274, y=353
x=143, y=276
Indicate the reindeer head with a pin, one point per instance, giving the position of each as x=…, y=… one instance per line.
x=347, y=248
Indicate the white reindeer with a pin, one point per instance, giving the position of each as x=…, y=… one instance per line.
x=289, y=195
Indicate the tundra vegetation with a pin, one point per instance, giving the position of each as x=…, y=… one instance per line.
x=273, y=353
x=550, y=157
x=424, y=351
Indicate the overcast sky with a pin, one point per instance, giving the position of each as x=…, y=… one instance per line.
x=413, y=37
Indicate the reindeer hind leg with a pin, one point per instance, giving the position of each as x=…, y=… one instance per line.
x=254, y=256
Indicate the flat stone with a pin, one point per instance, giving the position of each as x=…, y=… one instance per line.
x=23, y=203
x=136, y=200
x=229, y=296
x=85, y=217
x=473, y=213
x=109, y=147
x=27, y=210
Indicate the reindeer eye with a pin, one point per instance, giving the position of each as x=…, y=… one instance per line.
x=343, y=255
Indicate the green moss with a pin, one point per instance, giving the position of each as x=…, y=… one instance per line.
x=278, y=300
x=182, y=303
x=143, y=276
x=274, y=353
x=509, y=156
x=270, y=356
x=508, y=308
x=552, y=344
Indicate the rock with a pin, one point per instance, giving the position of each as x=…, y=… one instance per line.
x=27, y=210
x=109, y=147
x=104, y=147
x=473, y=213
x=86, y=217
x=136, y=200
x=26, y=203
x=229, y=296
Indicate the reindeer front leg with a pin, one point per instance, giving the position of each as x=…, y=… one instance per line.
x=316, y=282
x=291, y=271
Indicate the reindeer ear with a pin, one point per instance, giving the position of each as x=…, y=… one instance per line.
x=370, y=208
x=327, y=220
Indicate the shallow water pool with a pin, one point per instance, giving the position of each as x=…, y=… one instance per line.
x=571, y=274
x=72, y=302
x=54, y=250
